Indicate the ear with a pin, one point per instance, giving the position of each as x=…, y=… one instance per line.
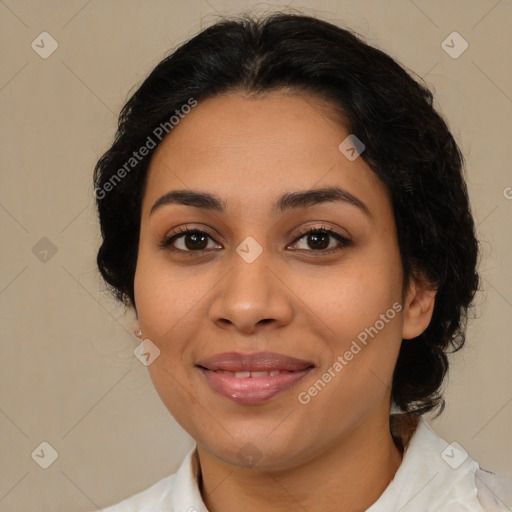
x=418, y=309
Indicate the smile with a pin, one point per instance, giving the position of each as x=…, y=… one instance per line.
x=253, y=378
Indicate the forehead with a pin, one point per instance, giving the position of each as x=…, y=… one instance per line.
x=252, y=150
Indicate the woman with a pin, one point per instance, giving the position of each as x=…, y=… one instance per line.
x=287, y=214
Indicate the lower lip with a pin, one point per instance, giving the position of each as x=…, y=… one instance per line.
x=252, y=390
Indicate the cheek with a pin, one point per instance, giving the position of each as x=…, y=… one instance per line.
x=163, y=298
x=175, y=392
x=359, y=303
x=349, y=298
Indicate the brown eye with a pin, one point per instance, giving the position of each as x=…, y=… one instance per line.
x=319, y=240
x=188, y=240
x=194, y=241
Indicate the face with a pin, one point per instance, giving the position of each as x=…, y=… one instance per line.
x=247, y=279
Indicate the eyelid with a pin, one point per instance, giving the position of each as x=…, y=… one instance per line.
x=323, y=226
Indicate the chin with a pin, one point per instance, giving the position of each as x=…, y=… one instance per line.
x=259, y=452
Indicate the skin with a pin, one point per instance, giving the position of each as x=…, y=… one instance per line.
x=336, y=452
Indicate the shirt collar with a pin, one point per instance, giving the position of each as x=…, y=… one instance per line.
x=433, y=475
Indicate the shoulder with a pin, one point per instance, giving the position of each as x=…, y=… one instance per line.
x=442, y=477
x=494, y=491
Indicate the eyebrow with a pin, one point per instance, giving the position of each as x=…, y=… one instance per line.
x=288, y=201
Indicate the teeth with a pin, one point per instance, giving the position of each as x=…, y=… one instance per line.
x=259, y=374
x=244, y=375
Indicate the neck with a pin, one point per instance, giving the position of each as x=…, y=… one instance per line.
x=349, y=476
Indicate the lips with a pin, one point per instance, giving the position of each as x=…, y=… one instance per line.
x=258, y=362
x=253, y=378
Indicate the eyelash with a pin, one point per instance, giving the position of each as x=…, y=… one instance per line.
x=181, y=232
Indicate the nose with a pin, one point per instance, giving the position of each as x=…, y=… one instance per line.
x=251, y=297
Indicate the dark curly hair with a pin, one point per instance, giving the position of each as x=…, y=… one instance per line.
x=408, y=146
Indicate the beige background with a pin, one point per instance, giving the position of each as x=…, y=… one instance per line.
x=67, y=372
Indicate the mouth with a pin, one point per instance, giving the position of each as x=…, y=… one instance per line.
x=253, y=378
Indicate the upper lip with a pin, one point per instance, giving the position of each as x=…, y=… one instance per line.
x=259, y=361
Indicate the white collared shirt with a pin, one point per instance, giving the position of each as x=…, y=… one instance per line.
x=433, y=477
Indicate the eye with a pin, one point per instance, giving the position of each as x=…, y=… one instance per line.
x=187, y=240
x=318, y=237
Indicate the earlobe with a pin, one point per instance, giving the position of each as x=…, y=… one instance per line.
x=418, y=309
x=137, y=331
